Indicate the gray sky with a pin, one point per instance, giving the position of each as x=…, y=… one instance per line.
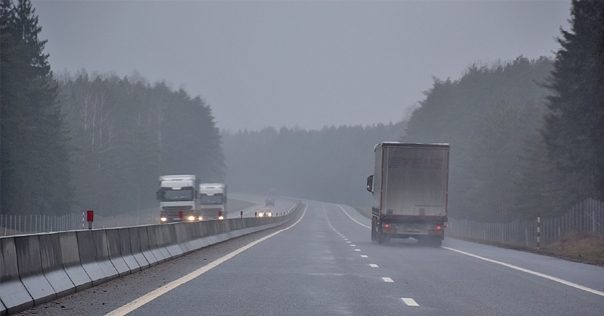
x=297, y=63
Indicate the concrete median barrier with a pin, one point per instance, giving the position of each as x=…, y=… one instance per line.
x=135, y=247
x=169, y=234
x=113, y=250
x=88, y=257
x=146, y=246
x=126, y=250
x=70, y=257
x=183, y=236
x=156, y=242
x=13, y=294
x=101, y=250
x=52, y=265
x=30, y=269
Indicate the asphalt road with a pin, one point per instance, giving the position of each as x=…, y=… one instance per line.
x=324, y=263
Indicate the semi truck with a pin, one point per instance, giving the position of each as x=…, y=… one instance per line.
x=410, y=192
x=178, y=198
x=212, y=201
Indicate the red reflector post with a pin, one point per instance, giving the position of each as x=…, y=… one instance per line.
x=89, y=218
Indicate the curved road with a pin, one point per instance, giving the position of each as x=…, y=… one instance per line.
x=324, y=263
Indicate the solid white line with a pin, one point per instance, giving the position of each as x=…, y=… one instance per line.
x=409, y=301
x=373, y=265
x=545, y=276
x=387, y=279
x=129, y=307
x=353, y=218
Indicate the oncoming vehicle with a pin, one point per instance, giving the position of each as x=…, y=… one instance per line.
x=264, y=213
x=212, y=201
x=177, y=198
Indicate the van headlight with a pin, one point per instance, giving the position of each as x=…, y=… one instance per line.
x=163, y=219
x=191, y=218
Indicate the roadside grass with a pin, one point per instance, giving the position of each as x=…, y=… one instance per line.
x=581, y=247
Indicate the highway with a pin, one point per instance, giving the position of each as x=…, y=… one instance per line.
x=323, y=263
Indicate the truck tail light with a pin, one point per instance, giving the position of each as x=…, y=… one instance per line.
x=386, y=225
x=438, y=227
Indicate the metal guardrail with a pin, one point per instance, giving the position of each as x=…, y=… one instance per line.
x=31, y=224
x=585, y=217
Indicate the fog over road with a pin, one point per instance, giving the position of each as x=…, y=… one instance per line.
x=323, y=263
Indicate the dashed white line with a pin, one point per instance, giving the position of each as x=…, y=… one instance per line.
x=357, y=250
x=387, y=279
x=373, y=265
x=353, y=245
x=409, y=301
x=364, y=256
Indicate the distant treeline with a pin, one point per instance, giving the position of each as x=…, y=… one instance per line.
x=125, y=133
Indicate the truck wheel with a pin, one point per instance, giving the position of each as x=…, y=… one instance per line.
x=436, y=242
x=383, y=238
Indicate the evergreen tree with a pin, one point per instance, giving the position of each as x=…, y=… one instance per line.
x=574, y=126
x=34, y=154
x=485, y=116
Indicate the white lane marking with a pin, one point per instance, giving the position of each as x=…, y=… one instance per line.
x=349, y=241
x=387, y=279
x=373, y=265
x=353, y=245
x=353, y=218
x=545, y=276
x=409, y=301
x=357, y=250
x=364, y=256
x=129, y=307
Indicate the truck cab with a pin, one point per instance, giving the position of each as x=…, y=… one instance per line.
x=212, y=201
x=178, y=198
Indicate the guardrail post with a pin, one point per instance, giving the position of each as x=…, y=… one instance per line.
x=538, y=229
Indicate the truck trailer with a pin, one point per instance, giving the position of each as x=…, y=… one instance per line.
x=212, y=200
x=410, y=192
x=178, y=198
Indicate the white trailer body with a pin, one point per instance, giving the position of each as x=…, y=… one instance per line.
x=178, y=198
x=410, y=191
x=212, y=200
